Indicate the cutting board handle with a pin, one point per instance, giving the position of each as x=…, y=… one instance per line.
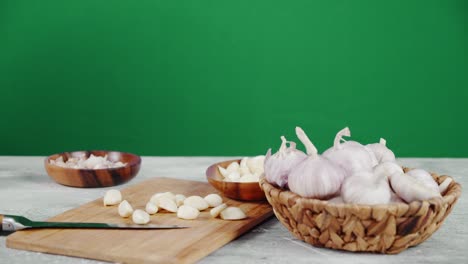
x=1, y=222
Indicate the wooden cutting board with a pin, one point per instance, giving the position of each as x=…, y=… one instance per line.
x=204, y=236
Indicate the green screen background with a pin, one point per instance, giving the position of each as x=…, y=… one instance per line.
x=230, y=77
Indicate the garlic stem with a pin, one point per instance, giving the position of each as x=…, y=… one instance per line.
x=383, y=141
x=310, y=148
x=283, y=144
x=345, y=132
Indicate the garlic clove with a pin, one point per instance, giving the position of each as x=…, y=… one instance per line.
x=256, y=162
x=217, y=210
x=444, y=185
x=213, y=200
x=112, y=197
x=244, y=170
x=233, y=167
x=167, y=204
x=151, y=208
x=233, y=176
x=249, y=178
x=409, y=189
x=125, y=209
x=187, y=212
x=232, y=213
x=223, y=171
x=243, y=163
x=196, y=202
x=155, y=198
x=140, y=217
x=179, y=199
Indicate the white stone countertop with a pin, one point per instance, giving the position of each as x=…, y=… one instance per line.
x=25, y=189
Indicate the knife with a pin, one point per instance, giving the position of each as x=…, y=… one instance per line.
x=16, y=222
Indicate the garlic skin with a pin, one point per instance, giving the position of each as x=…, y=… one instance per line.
x=387, y=169
x=409, y=189
x=350, y=155
x=277, y=167
x=381, y=152
x=315, y=176
x=365, y=188
x=425, y=178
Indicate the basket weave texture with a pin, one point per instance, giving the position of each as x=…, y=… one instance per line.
x=386, y=229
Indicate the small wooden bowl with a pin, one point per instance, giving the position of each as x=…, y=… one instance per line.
x=245, y=191
x=90, y=178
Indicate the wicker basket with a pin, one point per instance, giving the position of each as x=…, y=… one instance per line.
x=379, y=228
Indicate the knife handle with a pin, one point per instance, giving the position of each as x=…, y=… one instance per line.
x=1, y=222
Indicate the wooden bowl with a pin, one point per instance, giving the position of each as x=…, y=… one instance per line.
x=245, y=191
x=92, y=178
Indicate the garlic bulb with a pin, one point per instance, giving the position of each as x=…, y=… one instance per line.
x=278, y=166
x=365, y=188
x=386, y=169
x=381, y=152
x=350, y=155
x=315, y=176
x=425, y=178
x=409, y=189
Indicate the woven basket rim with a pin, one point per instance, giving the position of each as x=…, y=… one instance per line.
x=453, y=192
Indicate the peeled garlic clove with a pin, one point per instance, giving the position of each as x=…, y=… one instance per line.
x=213, y=200
x=409, y=189
x=217, y=210
x=233, y=213
x=187, y=212
x=179, y=199
x=425, y=178
x=112, y=197
x=365, y=188
x=278, y=166
x=233, y=167
x=381, y=152
x=243, y=163
x=155, y=198
x=386, y=169
x=125, y=209
x=223, y=171
x=444, y=185
x=350, y=155
x=248, y=178
x=233, y=176
x=256, y=162
x=196, y=202
x=140, y=217
x=244, y=170
x=167, y=204
x=315, y=176
x=151, y=208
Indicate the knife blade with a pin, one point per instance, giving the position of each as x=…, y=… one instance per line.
x=16, y=222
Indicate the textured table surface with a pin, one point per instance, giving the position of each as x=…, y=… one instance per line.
x=25, y=189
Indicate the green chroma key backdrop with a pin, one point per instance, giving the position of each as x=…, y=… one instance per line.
x=230, y=77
